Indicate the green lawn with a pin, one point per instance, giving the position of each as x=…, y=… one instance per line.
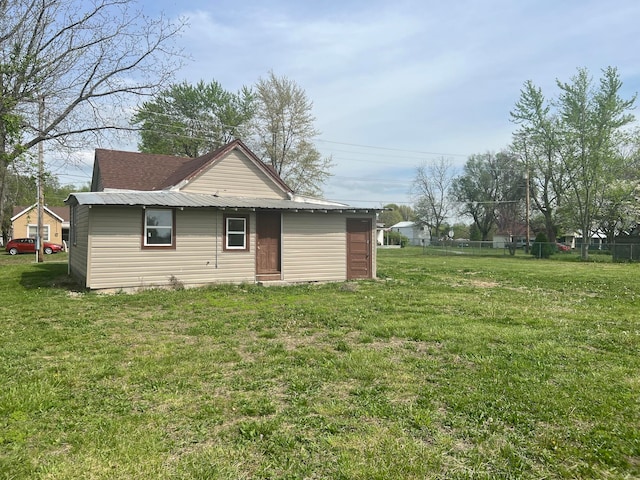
x=446, y=367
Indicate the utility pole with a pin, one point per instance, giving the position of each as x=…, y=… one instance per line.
x=527, y=213
x=39, y=240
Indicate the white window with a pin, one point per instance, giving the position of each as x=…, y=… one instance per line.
x=32, y=232
x=236, y=233
x=158, y=228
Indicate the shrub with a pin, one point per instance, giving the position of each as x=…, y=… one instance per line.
x=541, y=247
x=395, y=238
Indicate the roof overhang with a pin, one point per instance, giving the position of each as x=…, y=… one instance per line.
x=172, y=199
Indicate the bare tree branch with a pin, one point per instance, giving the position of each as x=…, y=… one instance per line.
x=86, y=58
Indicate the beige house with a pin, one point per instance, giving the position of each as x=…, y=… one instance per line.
x=156, y=220
x=55, y=223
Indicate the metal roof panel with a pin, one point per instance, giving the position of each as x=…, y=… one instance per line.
x=173, y=199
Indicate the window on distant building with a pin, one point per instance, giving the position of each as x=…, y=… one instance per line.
x=32, y=232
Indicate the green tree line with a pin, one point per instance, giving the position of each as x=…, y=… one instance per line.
x=575, y=157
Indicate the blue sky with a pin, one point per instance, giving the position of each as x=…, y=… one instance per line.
x=398, y=83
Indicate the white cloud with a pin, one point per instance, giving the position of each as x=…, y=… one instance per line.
x=427, y=76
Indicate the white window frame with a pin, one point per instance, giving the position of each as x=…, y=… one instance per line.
x=244, y=232
x=45, y=230
x=170, y=227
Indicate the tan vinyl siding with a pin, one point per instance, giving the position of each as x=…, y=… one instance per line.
x=314, y=247
x=78, y=252
x=235, y=175
x=99, y=187
x=119, y=261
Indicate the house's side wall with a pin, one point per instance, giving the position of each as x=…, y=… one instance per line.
x=96, y=180
x=117, y=259
x=20, y=225
x=235, y=175
x=78, y=251
x=314, y=247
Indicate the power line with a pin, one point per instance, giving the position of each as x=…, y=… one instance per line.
x=198, y=133
x=393, y=149
x=204, y=135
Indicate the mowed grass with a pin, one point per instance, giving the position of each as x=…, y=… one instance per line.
x=447, y=367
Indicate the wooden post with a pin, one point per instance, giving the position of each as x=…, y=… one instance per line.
x=528, y=207
x=40, y=243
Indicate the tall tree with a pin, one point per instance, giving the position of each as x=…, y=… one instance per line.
x=488, y=186
x=407, y=212
x=430, y=191
x=285, y=128
x=592, y=135
x=512, y=187
x=86, y=59
x=537, y=144
x=191, y=120
x=619, y=210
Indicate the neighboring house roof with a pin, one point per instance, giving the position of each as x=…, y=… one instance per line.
x=166, y=198
x=114, y=169
x=403, y=225
x=61, y=213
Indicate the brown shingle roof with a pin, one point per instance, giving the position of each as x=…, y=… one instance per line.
x=188, y=169
x=62, y=212
x=150, y=172
x=135, y=171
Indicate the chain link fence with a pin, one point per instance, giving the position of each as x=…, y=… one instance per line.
x=539, y=250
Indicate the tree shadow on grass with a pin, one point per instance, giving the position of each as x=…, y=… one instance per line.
x=49, y=275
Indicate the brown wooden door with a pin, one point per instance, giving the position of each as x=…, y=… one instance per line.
x=268, y=245
x=358, y=248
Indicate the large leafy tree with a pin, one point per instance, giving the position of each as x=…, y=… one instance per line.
x=430, y=193
x=406, y=211
x=574, y=150
x=592, y=138
x=537, y=145
x=390, y=215
x=191, y=120
x=489, y=191
x=84, y=61
x=285, y=129
x=619, y=210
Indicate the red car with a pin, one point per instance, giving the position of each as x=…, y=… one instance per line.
x=562, y=247
x=28, y=245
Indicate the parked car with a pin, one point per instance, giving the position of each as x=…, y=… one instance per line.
x=28, y=245
x=562, y=247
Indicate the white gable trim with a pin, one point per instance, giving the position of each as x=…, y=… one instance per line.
x=18, y=215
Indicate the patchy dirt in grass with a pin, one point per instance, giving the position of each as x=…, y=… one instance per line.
x=476, y=284
x=484, y=284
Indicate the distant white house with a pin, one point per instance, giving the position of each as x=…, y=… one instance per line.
x=597, y=241
x=417, y=235
x=501, y=240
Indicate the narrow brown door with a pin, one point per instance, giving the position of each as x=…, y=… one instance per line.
x=268, y=246
x=358, y=248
